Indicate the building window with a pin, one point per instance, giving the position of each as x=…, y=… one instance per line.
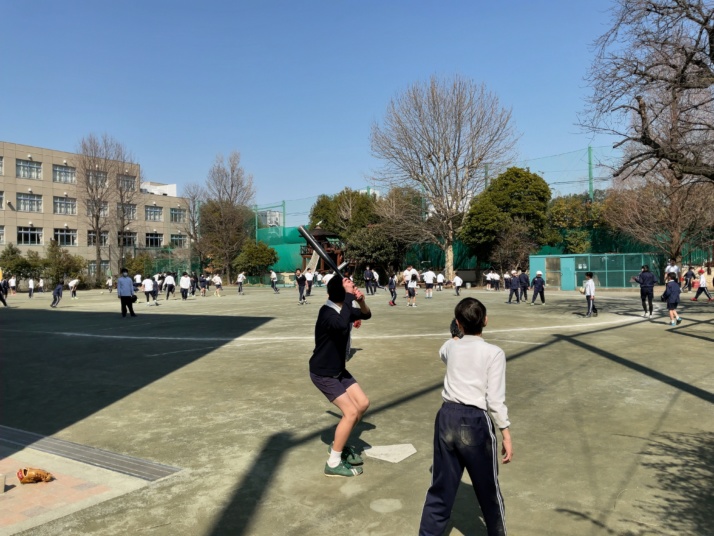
x=97, y=179
x=154, y=240
x=127, y=238
x=92, y=267
x=179, y=241
x=2, y=234
x=66, y=237
x=103, y=210
x=65, y=205
x=129, y=211
x=178, y=215
x=29, y=236
x=1, y=165
x=29, y=203
x=64, y=174
x=92, y=238
x=126, y=183
x=27, y=169
x=154, y=213
x=2, y=200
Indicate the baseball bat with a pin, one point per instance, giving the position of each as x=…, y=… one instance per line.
x=321, y=252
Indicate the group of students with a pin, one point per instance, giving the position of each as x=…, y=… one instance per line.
x=520, y=284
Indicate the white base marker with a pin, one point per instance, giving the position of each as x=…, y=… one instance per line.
x=391, y=453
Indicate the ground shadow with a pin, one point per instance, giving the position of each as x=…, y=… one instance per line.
x=355, y=440
x=466, y=515
x=683, y=500
x=53, y=376
x=238, y=515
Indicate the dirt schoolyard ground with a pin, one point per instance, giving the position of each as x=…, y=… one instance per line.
x=611, y=416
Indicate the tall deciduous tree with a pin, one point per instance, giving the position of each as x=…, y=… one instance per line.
x=438, y=137
x=662, y=211
x=344, y=212
x=100, y=162
x=195, y=195
x=226, y=217
x=653, y=86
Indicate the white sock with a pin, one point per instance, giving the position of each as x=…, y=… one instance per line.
x=335, y=458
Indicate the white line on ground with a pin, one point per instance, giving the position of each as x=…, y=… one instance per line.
x=577, y=326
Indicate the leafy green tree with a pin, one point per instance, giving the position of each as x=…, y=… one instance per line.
x=60, y=263
x=255, y=258
x=375, y=246
x=344, y=212
x=571, y=220
x=36, y=263
x=143, y=264
x=12, y=262
x=515, y=195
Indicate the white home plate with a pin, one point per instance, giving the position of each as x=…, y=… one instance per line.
x=391, y=453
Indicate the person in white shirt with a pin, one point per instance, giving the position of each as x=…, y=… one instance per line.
x=429, y=278
x=41, y=286
x=148, y=287
x=30, y=287
x=326, y=278
x=319, y=279
x=110, y=284
x=170, y=286
x=73, y=288
x=274, y=281
x=219, y=285
x=240, y=281
x=672, y=268
x=495, y=281
x=184, y=285
x=440, y=282
x=406, y=277
x=309, y=276
x=457, y=283
x=412, y=285
x=13, y=284
x=702, y=286
x=137, y=279
x=590, y=294
x=489, y=279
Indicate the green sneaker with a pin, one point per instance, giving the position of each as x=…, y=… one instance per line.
x=344, y=469
x=679, y=320
x=349, y=454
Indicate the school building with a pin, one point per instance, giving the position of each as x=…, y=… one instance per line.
x=41, y=201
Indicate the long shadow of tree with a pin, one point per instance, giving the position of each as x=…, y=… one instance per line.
x=683, y=501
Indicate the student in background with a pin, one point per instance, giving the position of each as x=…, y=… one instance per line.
x=671, y=296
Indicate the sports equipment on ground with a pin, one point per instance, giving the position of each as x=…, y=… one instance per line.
x=29, y=475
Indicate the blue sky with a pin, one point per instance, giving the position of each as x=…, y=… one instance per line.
x=294, y=86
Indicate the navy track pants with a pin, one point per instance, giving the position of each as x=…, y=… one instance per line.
x=464, y=438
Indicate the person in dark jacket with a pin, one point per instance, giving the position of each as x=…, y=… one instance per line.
x=301, y=281
x=688, y=278
x=57, y=294
x=671, y=296
x=647, y=281
x=3, y=292
x=538, y=287
x=329, y=373
x=523, y=282
x=515, y=286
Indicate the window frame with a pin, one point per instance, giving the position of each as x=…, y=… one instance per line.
x=34, y=199
x=21, y=165
x=30, y=231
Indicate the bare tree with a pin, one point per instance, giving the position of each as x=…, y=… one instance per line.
x=195, y=196
x=99, y=162
x=653, y=86
x=662, y=211
x=226, y=213
x=438, y=137
x=127, y=189
x=514, y=247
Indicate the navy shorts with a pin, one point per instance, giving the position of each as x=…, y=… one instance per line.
x=429, y=285
x=412, y=292
x=672, y=306
x=333, y=387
